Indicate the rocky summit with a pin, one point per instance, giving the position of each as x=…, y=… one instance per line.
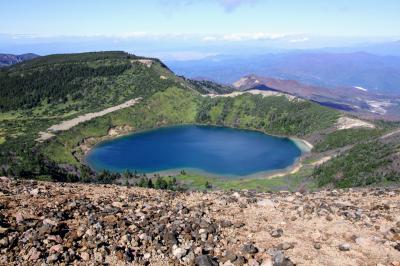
x=88, y=224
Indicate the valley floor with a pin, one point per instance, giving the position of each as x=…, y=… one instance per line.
x=71, y=223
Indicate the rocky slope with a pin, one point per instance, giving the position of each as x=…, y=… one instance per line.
x=10, y=59
x=356, y=100
x=91, y=224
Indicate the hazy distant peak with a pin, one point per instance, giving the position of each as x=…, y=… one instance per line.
x=11, y=59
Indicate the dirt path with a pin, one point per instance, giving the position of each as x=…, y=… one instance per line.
x=390, y=134
x=68, y=124
x=321, y=161
x=254, y=92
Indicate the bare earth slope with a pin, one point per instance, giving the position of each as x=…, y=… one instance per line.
x=68, y=124
x=92, y=224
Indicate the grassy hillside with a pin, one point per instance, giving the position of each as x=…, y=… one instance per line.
x=44, y=91
x=275, y=115
x=67, y=84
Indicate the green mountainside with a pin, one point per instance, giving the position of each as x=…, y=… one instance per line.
x=65, y=84
x=45, y=91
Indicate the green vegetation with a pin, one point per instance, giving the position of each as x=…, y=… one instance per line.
x=342, y=138
x=206, y=86
x=364, y=164
x=288, y=182
x=273, y=115
x=83, y=83
x=178, y=106
x=59, y=87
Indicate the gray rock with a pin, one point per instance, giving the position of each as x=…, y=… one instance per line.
x=34, y=192
x=85, y=256
x=230, y=256
x=317, y=246
x=253, y=262
x=277, y=232
x=34, y=254
x=344, y=247
x=239, y=261
x=249, y=248
x=226, y=223
x=189, y=258
x=279, y=259
x=178, y=252
x=285, y=246
x=4, y=242
x=205, y=260
x=170, y=238
x=52, y=258
x=238, y=224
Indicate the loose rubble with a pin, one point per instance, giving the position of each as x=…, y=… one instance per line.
x=58, y=223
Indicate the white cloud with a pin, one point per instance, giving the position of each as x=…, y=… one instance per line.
x=300, y=39
x=258, y=36
x=183, y=55
x=209, y=38
x=146, y=36
x=252, y=36
x=139, y=34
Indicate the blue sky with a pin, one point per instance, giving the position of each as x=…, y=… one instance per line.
x=199, y=23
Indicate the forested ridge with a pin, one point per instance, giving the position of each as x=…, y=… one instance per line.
x=58, y=78
x=44, y=91
x=364, y=164
x=275, y=115
x=55, y=85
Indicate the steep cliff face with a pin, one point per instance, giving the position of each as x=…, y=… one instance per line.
x=43, y=222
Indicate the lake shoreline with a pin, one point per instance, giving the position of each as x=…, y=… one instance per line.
x=302, y=144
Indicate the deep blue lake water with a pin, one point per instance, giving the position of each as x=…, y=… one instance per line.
x=216, y=150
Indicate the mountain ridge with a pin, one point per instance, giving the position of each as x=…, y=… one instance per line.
x=355, y=100
x=11, y=59
x=332, y=70
x=43, y=92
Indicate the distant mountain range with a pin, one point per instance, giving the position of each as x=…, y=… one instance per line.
x=376, y=73
x=10, y=59
x=383, y=48
x=355, y=100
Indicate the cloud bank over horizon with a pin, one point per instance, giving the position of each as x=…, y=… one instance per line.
x=174, y=46
x=194, y=28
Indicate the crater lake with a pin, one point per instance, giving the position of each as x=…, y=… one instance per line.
x=219, y=151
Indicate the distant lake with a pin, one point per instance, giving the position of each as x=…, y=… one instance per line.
x=221, y=151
